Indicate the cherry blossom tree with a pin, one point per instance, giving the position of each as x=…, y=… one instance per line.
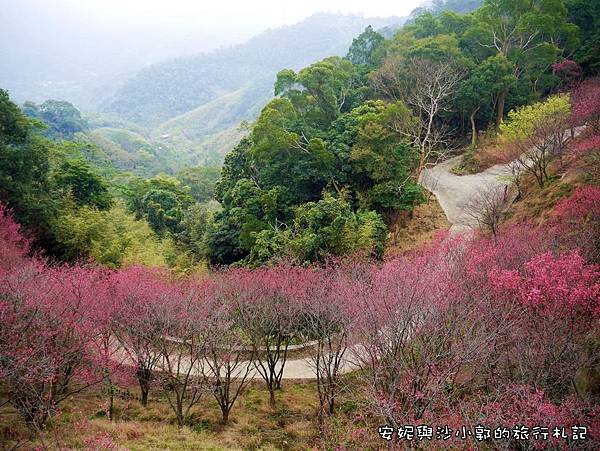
x=418, y=330
x=585, y=104
x=229, y=361
x=326, y=318
x=267, y=312
x=181, y=344
x=576, y=222
x=559, y=296
x=14, y=246
x=524, y=407
x=138, y=322
x=45, y=336
x=568, y=71
x=106, y=351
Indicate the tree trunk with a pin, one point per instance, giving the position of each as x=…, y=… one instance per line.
x=179, y=412
x=272, y=398
x=144, y=396
x=111, y=401
x=473, y=127
x=144, y=375
x=225, y=418
x=500, y=108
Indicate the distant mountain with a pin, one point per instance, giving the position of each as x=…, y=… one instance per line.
x=205, y=134
x=163, y=91
x=58, y=50
x=195, y=104
x=439, y=6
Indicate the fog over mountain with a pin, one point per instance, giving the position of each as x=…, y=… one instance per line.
x=83, y=51
x=180, y=76
x=173, y=87
x=64, y=53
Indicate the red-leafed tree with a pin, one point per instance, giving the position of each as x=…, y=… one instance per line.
x=138, y=322
x=182, y=345
x=327, y=316
x=229, y=357
x=585, y=104
x=267, y=303
x=46, y=336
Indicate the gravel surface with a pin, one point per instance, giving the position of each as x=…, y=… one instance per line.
x=453, y=192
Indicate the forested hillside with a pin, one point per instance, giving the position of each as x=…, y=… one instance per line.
x=333, y=162
x=201, y=134
x=83, y=58
x=174, y=87
x=339, y=152
x=148, y=302
x=197, y=103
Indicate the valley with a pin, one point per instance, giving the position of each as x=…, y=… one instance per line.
x=373, y=229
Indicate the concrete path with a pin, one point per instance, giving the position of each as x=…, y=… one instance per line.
x=453, y=192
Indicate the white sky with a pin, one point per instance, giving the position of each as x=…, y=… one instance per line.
x=249, y=15
x=123, y=35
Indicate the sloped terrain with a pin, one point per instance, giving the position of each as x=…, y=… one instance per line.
x=203, y=132
x=163, y=91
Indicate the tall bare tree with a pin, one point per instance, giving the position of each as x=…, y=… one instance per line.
x=488, y=207
x=425, y=86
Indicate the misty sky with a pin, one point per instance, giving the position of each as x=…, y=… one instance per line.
x=170, y=27
x=246, y=15
x=47, y=43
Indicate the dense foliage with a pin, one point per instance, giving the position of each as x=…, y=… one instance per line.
x=68, y=199
x=441, y=335
x=361, y=129
x=62, y=118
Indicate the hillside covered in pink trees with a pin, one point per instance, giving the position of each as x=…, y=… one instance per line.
x=401, y=252
x=495, y=331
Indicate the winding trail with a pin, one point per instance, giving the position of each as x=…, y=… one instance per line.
x=453, y=191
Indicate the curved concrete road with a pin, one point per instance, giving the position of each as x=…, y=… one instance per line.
x=453, y=192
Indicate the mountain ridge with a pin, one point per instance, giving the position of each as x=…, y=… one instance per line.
x=182, y=84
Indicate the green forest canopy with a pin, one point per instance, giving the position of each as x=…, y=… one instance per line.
x=326, y=166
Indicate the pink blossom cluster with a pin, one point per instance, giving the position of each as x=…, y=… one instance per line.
x=585, y=103
x=568, y=71
x=463, y=330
